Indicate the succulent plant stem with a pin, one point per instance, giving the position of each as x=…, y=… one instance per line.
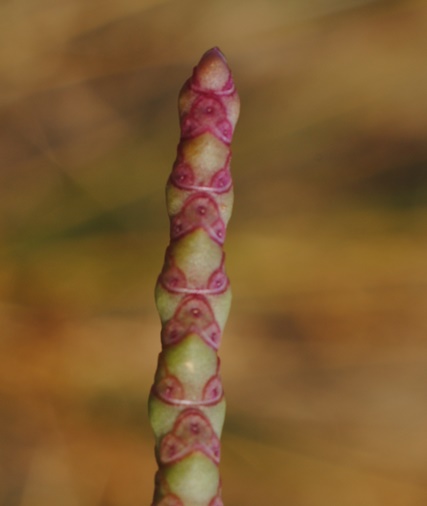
x=186, y=404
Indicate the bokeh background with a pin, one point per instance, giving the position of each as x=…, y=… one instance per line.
x=324, y=358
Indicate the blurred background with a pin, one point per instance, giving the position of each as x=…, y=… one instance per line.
x=324, y=358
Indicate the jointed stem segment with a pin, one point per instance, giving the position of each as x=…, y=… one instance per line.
x=187, y=404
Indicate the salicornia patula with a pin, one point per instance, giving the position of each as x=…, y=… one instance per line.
x=187, y=405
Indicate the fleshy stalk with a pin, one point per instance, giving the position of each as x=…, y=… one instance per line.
x=186, y=404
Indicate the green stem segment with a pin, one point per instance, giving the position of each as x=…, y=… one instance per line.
x=187, y=405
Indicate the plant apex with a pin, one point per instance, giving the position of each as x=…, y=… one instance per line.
x=212, y=73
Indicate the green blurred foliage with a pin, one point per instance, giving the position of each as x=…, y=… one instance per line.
x=324, y=358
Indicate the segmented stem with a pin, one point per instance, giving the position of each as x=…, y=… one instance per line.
x=187, y=405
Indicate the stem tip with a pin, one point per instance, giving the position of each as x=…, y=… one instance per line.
x=212, y=73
